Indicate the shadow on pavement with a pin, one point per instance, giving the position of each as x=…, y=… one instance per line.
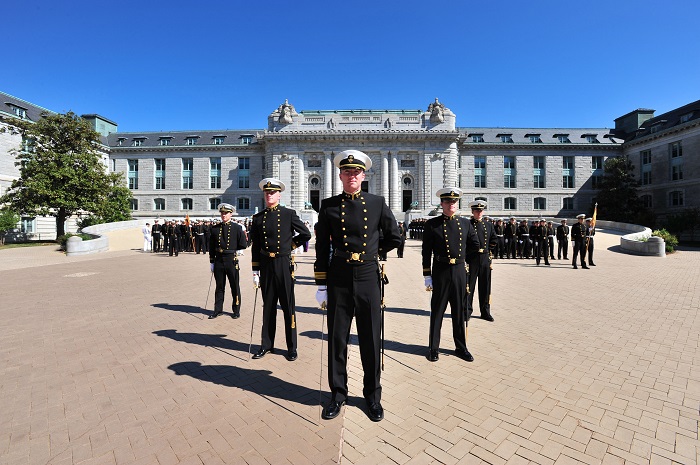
x=183, y=308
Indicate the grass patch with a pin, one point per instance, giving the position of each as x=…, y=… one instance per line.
x=28, y=244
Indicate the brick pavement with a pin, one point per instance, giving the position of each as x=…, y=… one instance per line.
x=110, y=359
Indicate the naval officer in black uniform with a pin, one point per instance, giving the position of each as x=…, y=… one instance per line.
x=227, y=238
x=351, y=223
x=446, y=241
x=479, y=261
x=578, y=237
x=274, y=233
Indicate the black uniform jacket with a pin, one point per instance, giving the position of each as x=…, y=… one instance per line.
x=351, y=224
x=276, y=231
x=225, y=239
x=447, y=237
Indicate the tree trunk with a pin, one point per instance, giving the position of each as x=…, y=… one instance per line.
x=61, y=222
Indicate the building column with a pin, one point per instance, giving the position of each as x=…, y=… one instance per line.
x=327, y=175
x=384, y=174
x=395, y=194
x=302, y=192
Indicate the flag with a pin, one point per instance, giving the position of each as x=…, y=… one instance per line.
x=595, y=213
x=187, y=219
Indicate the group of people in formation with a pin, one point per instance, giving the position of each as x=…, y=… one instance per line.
x=175, y=236
x=354, y=232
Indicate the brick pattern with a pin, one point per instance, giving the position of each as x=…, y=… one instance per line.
x=110, y=359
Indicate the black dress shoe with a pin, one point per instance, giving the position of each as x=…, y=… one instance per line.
x=585, y=267
x=591, y=264
x=261, y=353
x=214, y=315
x=464, y=355
x=487, y=317
x=433, y=356
x=236, y=315
x=332, y=410
x=376, y=412
x=292, y=355
x=575, y=267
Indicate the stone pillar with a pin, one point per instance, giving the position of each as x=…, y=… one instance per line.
x=327, y=175
x=395, y=194
x=384, y=173
x=302, y=193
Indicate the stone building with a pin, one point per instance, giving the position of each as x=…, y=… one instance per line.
x=522, y=172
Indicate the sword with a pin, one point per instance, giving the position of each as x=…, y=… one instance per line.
x=252, y=323
x=320, y=371
x=385, y=281
x=209, y=291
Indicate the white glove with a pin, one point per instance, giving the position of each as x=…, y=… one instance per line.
x=256, y=279
x=211, y=267
x=428, y=283
x=322, y=296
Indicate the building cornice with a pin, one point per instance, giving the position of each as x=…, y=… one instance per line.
x=662, y=134
x=451, y=136
x=187, y=148
x=540, y=146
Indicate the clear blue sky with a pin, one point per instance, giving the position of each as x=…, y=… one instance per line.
x=216, y=64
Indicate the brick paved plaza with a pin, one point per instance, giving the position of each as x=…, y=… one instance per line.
x=110, y=358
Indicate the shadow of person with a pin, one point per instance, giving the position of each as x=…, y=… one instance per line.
x=182, y=308
x=393, y=346
x=217, y=341
x=258, y=381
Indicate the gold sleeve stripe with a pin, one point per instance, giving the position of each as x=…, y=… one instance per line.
x=255, y=263
x=320, y=274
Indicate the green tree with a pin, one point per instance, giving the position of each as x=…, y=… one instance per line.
x=8, y=222
x=61, y=173
x=618, y=199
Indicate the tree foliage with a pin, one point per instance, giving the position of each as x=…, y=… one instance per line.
x=61, y=172
x=618, y=199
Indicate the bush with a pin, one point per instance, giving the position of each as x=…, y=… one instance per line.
x=62, y=240
x=90, y=220
x=670, y=240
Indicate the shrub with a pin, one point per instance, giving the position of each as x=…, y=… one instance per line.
x=62, y=240
x=670, y=240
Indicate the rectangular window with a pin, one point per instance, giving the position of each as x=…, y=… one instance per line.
x=538, y=172
x=563, y=138
x=534, y=138
x=645, y=156
x=477, y=138
x=646, y=201
x=134, y=204
x=28, y=225
x=314, y=163
x=677, y=172
x=509, y=203
x=685, y=118
x=187, y=182
x=19, y=112
x=159, y=173
x=480, y=172
x=568, y=203
x=243, y=203
x=597, y=163
x=540, y=203
x=509, y=172
x=592, y=139
x=407, y=163
x=675, y=149
x=191, y=140
x=218, y=140
x=244, y=173
x=214, y=204
x=186, y=204
x=568, y=172
x=646, y=177
x=675, y=199
x=164, y=141
x=137, y=142
x=246, y=140
x=215, y=173
x=120, y=141
x=596, y=181
x=133, y=174
x=159, y=204
x=506, y=138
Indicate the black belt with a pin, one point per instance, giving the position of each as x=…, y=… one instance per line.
x=450, y=260
x=354, y=256
x=268, y=254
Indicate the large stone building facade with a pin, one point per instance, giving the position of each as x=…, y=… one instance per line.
x=522, y=172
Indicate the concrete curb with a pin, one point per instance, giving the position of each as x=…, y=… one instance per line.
x=76, y=246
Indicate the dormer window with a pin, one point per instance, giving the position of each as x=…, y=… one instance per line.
x=191, y=140
x=120, y=141
x=685, y=118
x=246, y=139
x=562, y=138
x=591, y=138
x=658, y=126
x=19, y=112
x=506, y=138
x=218, y=140
x=534, y=138
x=477, y=138
x=138, y=142
x=164, y=141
